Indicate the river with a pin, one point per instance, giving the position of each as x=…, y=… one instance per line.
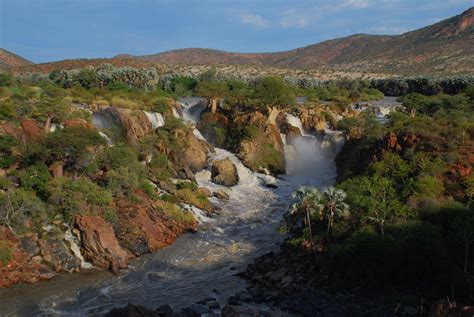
x=197, y=265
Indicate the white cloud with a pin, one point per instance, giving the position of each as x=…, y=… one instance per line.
x=254, y=20
x=360, y=4
x=298, y=18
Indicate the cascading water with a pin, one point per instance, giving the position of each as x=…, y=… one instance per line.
x=196, y=265
x=156, y=119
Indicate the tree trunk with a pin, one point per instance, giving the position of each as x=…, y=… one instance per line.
x=47, y=125
x=273, y=113
x=213, y=105
x=466, y=257
x=310, y=232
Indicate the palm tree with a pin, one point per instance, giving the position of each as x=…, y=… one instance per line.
x=331, y=205
x=307, y=202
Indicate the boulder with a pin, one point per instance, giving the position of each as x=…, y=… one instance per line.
x=224, y=172
x=195, y=152
x=221, y=194
x=213, y=127
x=57, y=255
x=99, y=243
x=205, y=191
x=57, y=169
x=143, y=228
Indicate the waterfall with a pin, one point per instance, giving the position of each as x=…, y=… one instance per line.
x=295, y=122
x=106, y=137
x=156, y=119
x=308, y=155
x=192, y=108
x=74, y=247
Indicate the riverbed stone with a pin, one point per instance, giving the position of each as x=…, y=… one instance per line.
x=224, y=172
x=221, y=194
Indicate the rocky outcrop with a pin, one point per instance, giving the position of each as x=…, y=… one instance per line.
x=260, y=144
x=17, y=264
x=99, y=243
x=195, y=152
x=312, y=119
x=213, y=127
x=224, y=172
x=134, y=124
x=291, y=133
x=145, y=228
x=58, y=256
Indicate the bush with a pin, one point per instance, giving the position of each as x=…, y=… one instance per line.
x=74, y=196
x=176, y=213
x=17, y=206
x=6, y=254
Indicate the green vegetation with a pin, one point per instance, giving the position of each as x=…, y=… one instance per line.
x=408, y=186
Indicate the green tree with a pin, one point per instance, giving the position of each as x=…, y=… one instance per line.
x=307, y=205
x=274, y=94
x=331, y=203
x=213, y=91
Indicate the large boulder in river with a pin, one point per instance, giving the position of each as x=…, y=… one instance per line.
x=213, y=127
x=195, y=152
x=259, y=143
x=291, y=132
x=224, y=172
x=99, y=243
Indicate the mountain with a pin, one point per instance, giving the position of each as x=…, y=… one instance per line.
x=9, y=60
x=444, y=47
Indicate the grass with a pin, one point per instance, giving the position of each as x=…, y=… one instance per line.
x=176, y=213
x=194, y=198
x=6, y=253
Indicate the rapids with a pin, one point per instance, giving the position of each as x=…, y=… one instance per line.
x=197, y=265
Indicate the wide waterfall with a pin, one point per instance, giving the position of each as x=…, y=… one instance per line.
x=197, y=265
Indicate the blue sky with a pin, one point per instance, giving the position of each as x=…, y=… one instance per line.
x=49, y=30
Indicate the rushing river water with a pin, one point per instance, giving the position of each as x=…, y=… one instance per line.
x=197, y=265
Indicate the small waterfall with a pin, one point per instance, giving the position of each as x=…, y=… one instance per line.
x=295, y=122
x=192, y=108
x=307, y=155
x=74, y=247
x=156, y=119
x=106, y=137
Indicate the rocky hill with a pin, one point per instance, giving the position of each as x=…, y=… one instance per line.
x=9, y=60
x=444, y=47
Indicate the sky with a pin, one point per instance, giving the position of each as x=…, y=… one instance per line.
x=51, y=30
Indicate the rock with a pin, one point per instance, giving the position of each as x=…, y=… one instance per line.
x=143, y=228
x=134, y=124
x=196, y=310
x=224, y=172
x=233, y=300
x=195, y=153
x=233, y=311
x=205, y=191
x=156, y=276
x=57, y=169
x=20, y=267
x=213, y=305
x=30, y=128
x=57, y=254
x=99, y=243
x=164, y=311
x=132, y=311
x=262, y=146
x=221, y=194
x=273, y=186
x=213, y=127
x=410, y=311
x=245, y=297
